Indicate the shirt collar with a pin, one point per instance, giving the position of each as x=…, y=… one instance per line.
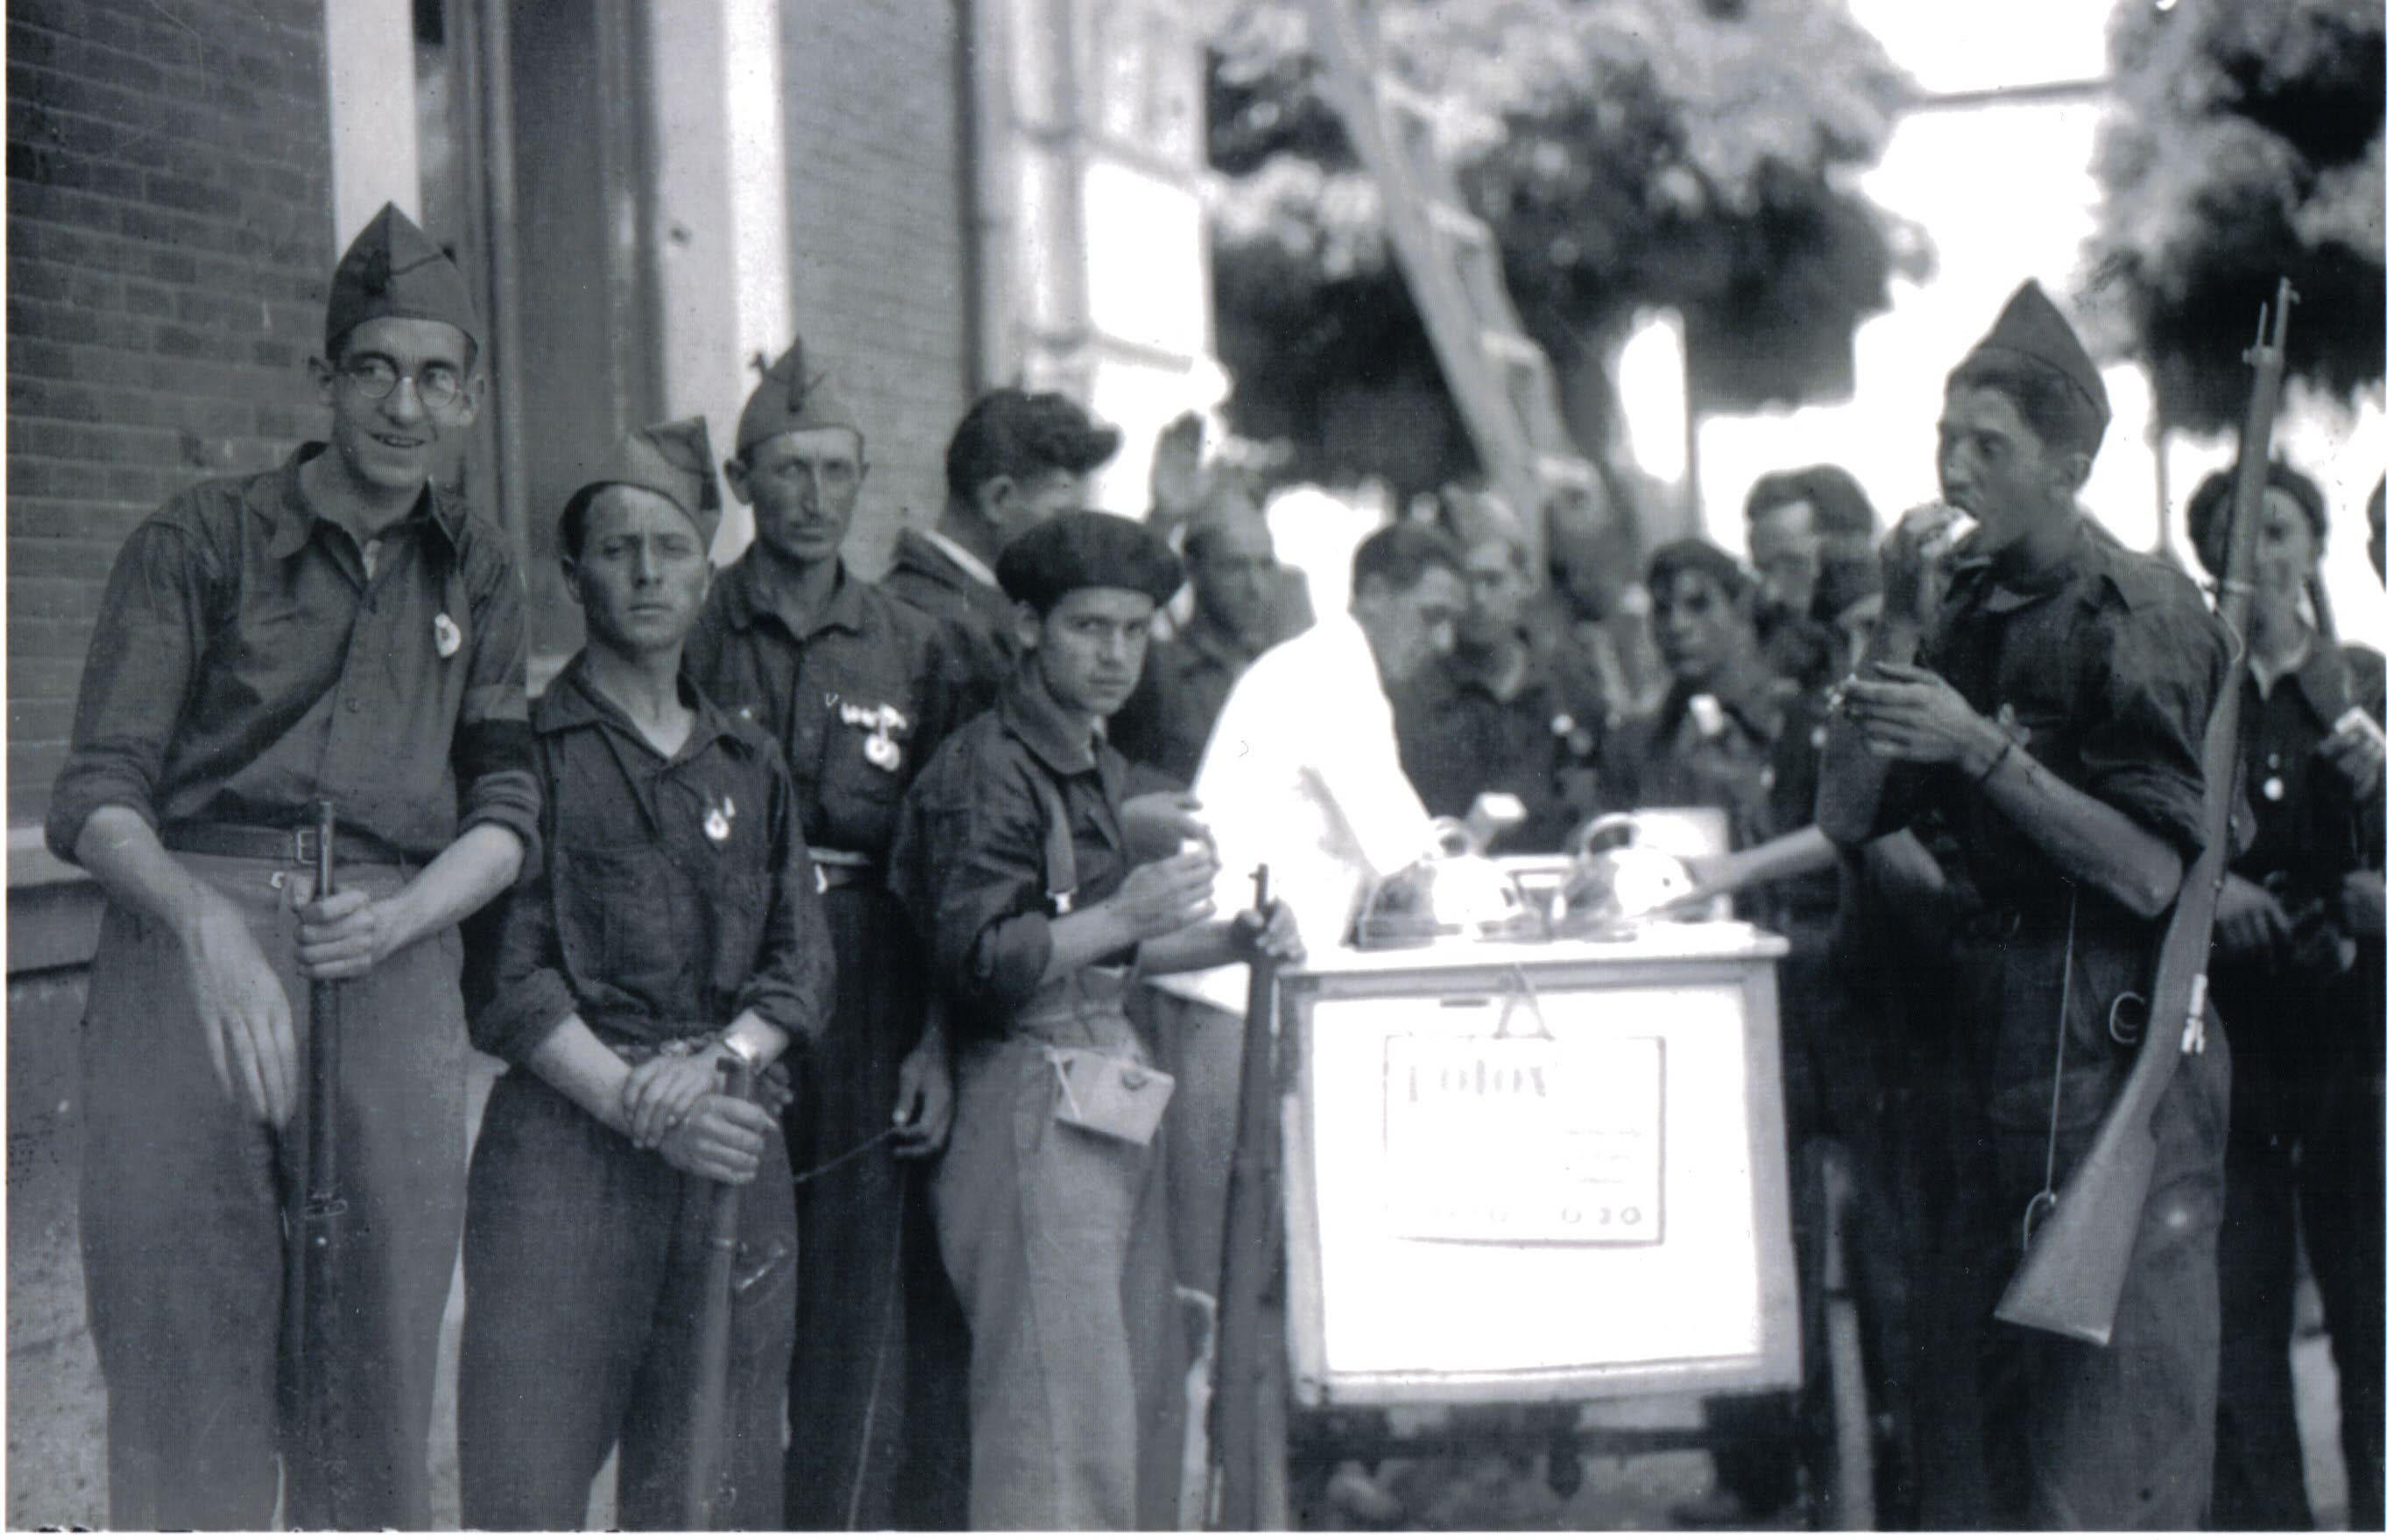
x=962, y=558
x=747, y=601
x=1032, y=717
x=293, y=520
x=570, y=702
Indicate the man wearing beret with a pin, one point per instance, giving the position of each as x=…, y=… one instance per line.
x=332, y=629
x=671, y=923
x=858, y=690
x=1017, y=458
x=1051, y=1202
x=2046, y=739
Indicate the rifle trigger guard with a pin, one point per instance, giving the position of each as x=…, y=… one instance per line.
x=2126, y=1020
x=2042, y=1204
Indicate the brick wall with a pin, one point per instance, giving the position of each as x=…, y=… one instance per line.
x=168, y=237
x=876, y=238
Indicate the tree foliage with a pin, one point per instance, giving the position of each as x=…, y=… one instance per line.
x=1692, y=154
x=2244, y=146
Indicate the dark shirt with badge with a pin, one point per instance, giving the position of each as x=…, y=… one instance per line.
x=1699, y=749
x=2105, y=666
x=1166, y=724
x=976, y=612
x=969, y=859
x=1460, y=737
x=2309, y=829
x=859, y=696
x=674, y=893
x=247, y=662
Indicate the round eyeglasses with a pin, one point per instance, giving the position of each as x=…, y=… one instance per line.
x=436, y=385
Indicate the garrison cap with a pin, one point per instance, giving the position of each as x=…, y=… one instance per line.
x=2031, y=327
x=1087, y=550
x=790, y=398
x=672, y=460
x=393, y=268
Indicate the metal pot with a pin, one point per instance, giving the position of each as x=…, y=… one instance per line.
x=1617, y=880
x=1454, y=893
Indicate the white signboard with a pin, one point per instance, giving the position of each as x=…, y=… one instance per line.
x=1526, y=1138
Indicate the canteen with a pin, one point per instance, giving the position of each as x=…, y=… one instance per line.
x=1453, y=893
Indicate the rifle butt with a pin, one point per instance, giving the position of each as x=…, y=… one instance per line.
x=2070, y=1280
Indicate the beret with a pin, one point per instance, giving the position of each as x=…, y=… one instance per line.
x=1087, y=550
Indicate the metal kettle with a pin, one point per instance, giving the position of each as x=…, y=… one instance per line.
x=1617, y=880
x=1454, y=893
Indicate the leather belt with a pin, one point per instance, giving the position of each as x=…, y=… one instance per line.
x=293, y=847
x=841, y=868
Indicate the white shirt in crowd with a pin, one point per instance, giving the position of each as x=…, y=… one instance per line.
x=1302, y=772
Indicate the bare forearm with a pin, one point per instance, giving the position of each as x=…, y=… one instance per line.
x=1208, y=945
x=2089, y=840
x=124, y=856
x=481, y=864
x=575, y=1062
x=1083, y=939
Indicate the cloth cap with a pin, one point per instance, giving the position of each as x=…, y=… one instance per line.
x=788, y=397
x=674, y=460
x=393, y=268
x=2031, y=327
x=1087, y=550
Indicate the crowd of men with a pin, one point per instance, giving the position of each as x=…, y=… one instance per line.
x=833, y=893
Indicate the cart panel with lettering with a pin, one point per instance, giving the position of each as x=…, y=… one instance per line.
x=1538, y=1172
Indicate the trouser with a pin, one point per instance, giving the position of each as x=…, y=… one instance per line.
x=2304, y=1140
x=2077, y=1436
x=879, y=1427
x=186, y=1212
x=1058, y=1242
x=584, y=1264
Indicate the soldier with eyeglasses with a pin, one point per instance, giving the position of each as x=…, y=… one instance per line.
x=330, y=628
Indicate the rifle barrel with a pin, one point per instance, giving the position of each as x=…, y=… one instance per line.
x=709, y=1420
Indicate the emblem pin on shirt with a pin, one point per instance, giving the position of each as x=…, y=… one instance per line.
x=716, y=821
x=445, y=633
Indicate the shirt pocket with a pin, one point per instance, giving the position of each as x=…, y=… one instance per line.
x=626, y=914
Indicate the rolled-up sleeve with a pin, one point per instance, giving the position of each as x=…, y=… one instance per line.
x=530, y=996
x=136, y=679
x=794, y=989
x=495, y=781
x=967, y=865
x=2144, y=753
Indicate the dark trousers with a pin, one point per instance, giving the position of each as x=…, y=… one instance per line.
x=877, y=1392
x=583, y=1257
x=182, y=1216
x=2305, y=1141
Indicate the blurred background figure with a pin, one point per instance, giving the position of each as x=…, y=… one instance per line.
x=2304, y=1111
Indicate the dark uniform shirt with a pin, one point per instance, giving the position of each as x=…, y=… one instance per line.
x=1459, y=739
x=969, y=859
x=672, y=894
x=246, y=665
x=2104, y=667
x=1166, y=724
x=976, y=613
x=1684, y=755
x=858, y=702
x=2309, y=829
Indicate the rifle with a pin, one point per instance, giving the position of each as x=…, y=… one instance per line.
x=1246, y=1388
x=2070, y=1280
x=708, y=1441
x=318, y=1485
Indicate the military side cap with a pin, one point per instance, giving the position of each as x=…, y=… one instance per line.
x=393, y=268
x=2031, y=327
x=1088, y=550
x=672, y=460
x=790, y=398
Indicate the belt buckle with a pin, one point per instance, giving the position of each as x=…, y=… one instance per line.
x=303, y=846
